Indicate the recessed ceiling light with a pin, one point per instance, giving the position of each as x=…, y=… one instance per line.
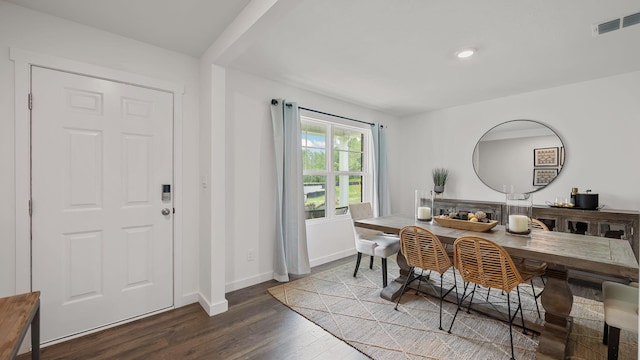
x=465, y=53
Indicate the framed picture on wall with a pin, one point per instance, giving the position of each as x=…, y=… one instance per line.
x=545, y=156
x=544, y=176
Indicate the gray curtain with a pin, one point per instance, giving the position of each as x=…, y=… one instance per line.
x=381, y=199
x=291, y=255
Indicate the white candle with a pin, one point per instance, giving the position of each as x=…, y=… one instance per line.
x=518, y=223
x=424, y=213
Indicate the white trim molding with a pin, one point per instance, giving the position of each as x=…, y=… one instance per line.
x=213, y=309
x=249, y=281
x=332, y=257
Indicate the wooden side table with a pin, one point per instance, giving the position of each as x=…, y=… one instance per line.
x=16, y=314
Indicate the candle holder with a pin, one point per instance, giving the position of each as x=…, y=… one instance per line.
x=519, y=214
x=423, y=205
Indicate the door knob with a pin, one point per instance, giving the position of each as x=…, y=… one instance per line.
x=166, y=211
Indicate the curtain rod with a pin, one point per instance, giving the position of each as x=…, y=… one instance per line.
x=275, y=102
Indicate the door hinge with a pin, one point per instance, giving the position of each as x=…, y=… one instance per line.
x=174, y=210
x=30, y=208
x=30, y=101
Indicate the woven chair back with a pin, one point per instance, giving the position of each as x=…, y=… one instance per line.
x=485, y=263
x=423, y=249
x=538, y=225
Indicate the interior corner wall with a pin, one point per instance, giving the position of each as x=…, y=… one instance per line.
x=251, y=179
x=47, y=35
x=214, y=194
x=598, y=122
x=204, y=242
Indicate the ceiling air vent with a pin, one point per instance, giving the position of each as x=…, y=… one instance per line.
x=614, y=25
x=631, y=20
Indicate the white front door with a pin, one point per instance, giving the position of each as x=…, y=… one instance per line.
x=102, y=236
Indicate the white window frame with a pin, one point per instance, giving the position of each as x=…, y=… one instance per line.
x=330, y=174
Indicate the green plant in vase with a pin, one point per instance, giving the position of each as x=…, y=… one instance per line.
x=440, y=176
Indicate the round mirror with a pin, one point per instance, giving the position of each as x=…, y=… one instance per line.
x=519, y=156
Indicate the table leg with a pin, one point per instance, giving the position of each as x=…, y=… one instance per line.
x=35, y=333
x=557, y=301
x=392, y=291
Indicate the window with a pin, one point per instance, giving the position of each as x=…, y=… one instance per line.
x=335, y=167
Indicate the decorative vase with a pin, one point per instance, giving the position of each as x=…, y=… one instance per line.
x=438, y=189
x=423, y=205
x=518, y=214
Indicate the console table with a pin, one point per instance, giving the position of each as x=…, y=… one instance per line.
x=617, y=224
x=16, y=314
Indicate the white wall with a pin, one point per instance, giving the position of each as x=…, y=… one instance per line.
x=47, y=35
x=598, y=121
x=231, y=148
x=251, y=178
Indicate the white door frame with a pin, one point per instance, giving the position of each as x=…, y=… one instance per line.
x=23, y=60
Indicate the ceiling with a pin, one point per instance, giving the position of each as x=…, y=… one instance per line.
x=394, y=56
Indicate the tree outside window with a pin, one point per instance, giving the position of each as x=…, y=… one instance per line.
x=335, y=171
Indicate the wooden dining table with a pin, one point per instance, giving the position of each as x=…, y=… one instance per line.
x=561, y=251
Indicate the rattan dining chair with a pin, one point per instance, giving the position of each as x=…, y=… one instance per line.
x=423, y=250
x=538, y=225
x=371, y=242
x=535, y=267
x=529, y=266
x=482, y=262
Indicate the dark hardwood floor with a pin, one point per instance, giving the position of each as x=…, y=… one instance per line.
x=256, y=327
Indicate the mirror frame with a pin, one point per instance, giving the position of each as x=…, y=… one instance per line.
x=533, y=188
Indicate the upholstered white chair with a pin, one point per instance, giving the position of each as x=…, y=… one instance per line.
x=620, y=313
x=370, y=242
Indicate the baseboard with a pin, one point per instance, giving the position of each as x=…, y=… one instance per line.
x=246, y=282
x=213, y=309
x=332, y=257
x=260, y=278
x=187, y=299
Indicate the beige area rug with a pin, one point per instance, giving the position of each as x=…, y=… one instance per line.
x=352, y=310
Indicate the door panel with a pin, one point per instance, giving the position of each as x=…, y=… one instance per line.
x=102, y=250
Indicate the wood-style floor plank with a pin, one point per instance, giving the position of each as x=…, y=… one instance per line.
x=256, y=326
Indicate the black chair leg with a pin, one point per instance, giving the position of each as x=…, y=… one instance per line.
x=473, y=293
x=605, y=334
x=464, y=294
x=371, y=263
x=535, y=299
x=384, y=272
x=404, y=287
x=613, y=341
x=419, y=281
x=441, y=296
x=524, y=328
x=357, y=264
x=510, y=323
